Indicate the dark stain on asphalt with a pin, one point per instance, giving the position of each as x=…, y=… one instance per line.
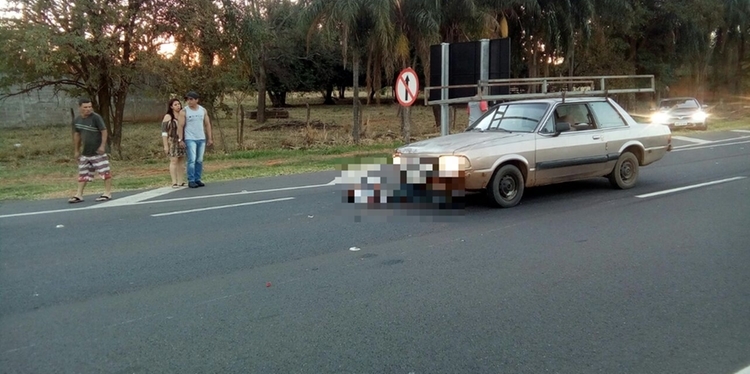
x=391, y=262
x=369, y=255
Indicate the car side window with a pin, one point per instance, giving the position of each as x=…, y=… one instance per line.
x=606, y=115
x=577, y=115
x=549, y=127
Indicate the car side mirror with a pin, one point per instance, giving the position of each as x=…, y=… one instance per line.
x=704, y=106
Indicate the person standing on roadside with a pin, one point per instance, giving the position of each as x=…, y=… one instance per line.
x=193, y=123
x=475, y=110
x=172, y=148
x=91, y=150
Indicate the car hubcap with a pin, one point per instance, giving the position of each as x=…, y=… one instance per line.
x=508, y=187
x=626, y=171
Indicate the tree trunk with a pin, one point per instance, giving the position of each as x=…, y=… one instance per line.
x=328, y=97
x=278, y=99
x=377, y=82
x=216, y=125
x=368, y=79
x=355, y=101
x=261, y=91
x=120, y=100
x=740, y=57
x=241, y=129
x=406, y=124
x=104, y=102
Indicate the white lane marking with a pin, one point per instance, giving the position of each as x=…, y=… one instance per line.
x=129, y=200
x=234, y=194
x=690, y=140
x=745, y=131
x=712, y=145
x=142, y=196
x=221, y=207
x=744, y=371
x=689, y=187
x=19, y=349
x=43, y=212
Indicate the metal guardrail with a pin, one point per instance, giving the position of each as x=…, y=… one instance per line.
x=587, y=86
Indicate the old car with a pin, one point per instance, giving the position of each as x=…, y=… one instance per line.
x=534, y=142
x=680, y=112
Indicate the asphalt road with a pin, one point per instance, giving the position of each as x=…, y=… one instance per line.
x=249, y=277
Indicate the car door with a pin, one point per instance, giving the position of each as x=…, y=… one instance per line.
x=573, y=154
x=615, y=130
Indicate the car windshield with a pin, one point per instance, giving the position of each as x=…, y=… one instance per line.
x=522, y=117
x=679, y=104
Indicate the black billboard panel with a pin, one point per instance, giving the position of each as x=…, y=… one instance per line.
x=464, y=67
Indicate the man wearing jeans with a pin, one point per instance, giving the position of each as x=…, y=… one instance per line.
x=194, y=125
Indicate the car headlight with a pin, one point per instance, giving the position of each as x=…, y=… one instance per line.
x=699, y=116
x=397, y=160
x=659, y=117
x=454, y=163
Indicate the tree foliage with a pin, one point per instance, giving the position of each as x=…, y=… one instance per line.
x=106, y=48
x=82, y=47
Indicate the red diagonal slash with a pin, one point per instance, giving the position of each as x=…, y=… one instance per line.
x=406, y=86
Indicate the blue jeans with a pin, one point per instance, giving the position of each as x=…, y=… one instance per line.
x=195, y=151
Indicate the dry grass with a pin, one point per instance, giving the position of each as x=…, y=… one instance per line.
x=38, y=162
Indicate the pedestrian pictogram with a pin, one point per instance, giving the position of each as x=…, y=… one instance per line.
x=407, y=87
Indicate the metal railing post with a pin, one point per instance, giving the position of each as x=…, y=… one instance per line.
x=444, y=125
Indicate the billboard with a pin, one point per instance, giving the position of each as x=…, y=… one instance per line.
x=464, y=67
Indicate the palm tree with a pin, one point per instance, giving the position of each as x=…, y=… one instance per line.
x=363, y=26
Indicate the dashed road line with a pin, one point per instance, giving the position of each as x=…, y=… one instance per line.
x=658, y=193
x=142, y=198
x=221, y=207
x=690, y=140
x=716, y=144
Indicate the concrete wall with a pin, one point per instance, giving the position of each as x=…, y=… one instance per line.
x=44, y=107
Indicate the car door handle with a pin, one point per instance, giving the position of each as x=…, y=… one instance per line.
x=596, y=137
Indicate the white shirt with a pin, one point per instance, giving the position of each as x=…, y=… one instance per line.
x=194, y=123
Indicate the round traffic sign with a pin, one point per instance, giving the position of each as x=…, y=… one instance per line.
x=407, y=87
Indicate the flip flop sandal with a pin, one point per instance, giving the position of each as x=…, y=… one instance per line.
x=175, y=186
x=103, y=198
x=75, y=199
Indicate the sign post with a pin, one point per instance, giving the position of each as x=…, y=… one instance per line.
x=407, y=91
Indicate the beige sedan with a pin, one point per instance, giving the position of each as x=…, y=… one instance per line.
x=530, y=143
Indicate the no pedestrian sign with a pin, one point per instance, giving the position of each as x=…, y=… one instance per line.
x=407, y=87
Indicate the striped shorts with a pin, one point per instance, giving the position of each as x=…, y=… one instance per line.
x=87, y=165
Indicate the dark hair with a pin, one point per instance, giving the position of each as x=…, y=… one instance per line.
x=171, y=112
x=83, y=100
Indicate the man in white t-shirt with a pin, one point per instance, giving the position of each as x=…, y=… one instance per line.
x=193, y=122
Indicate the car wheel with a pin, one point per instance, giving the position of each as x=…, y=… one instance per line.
x=506, y=187
x=625, y=173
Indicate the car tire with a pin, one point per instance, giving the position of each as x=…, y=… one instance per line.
x=625, y=173
x=506, y=187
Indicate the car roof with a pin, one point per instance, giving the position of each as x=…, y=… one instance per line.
x=678, y=98
x=558, y=100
